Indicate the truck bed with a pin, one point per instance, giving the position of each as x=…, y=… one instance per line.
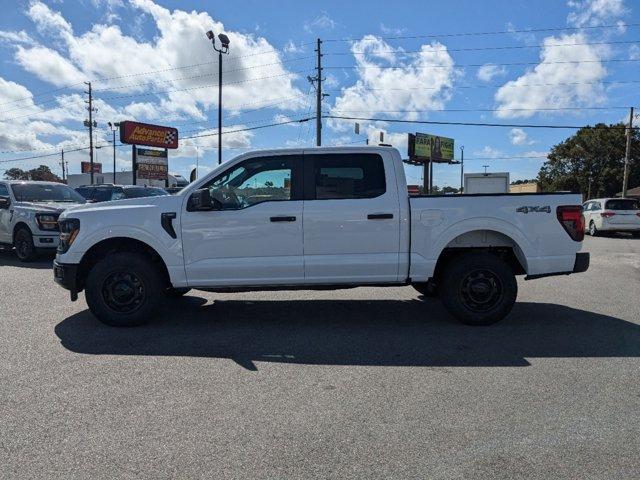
x=526, y=222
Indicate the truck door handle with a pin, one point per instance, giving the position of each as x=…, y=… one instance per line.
x=283, y=219
x=379, y=216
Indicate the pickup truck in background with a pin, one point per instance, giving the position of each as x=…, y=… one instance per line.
x=29, y=213
x=316, y=218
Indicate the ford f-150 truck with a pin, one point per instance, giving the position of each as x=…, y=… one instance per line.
x=315, y=218
x=29, y=213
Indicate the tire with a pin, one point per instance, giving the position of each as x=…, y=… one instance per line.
x=593, y=231
x=124, y=289
x=23, y=243
x=426, y=289
x=478, y=288
x=176, y=292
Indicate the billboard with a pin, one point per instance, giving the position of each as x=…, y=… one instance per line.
x=152, y=164
x=136, y=133
x=424, y=147
x=85, y=167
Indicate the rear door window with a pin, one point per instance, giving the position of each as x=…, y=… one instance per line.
x=622, y=204
x=344, y=176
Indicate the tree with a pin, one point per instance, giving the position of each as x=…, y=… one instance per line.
x=592, y=162
x=42, y=173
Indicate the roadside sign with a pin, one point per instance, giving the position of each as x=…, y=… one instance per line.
x=152, y=164
x=424, y=147
x=136, y=133
x=85, y=167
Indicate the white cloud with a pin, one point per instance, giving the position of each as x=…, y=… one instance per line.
x=565, y=77
x=321, y=22
x=489, y=70
x=488, y=152
x=291, y=47
x=634, y=52
x=391, y=30
x=390, y=80
x=15, y=38
x=594, y=12
x=48, y=65
x=517, y=136
x=180, y=41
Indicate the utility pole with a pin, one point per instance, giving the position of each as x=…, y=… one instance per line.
x=461, y=168
x=485, y=168
x=220, y=107
x=62, y=164
x=627, y=154
x=90, y=124
x=319, y=95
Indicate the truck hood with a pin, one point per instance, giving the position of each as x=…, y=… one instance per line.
x=53, y=207
x=115, y=207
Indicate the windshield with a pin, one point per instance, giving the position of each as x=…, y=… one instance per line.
x=623, y=204
x=137, y=192
x=45, y=192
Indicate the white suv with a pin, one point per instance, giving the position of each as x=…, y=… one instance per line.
x=612, y=215
x=29, y=214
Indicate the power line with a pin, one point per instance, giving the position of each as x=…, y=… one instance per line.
x=471, y=49
x=460, y=110
x=472, y=124
x=499, y=32
x=41, y=93
x=513, y=64
x=553, y=84
x=117, y=87
x=42, y=156
x=203, y=86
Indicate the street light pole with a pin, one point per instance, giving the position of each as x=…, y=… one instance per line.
x=461, y=168
x=114, y=126
x=224, y=42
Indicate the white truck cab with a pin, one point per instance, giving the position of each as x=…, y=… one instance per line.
x=29, y=213
x=308, y=218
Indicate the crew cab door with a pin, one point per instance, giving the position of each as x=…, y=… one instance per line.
x=351, y=218
x=254, y=236
x=5, y=217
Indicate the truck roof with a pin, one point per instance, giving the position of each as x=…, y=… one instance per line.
x=31, y=182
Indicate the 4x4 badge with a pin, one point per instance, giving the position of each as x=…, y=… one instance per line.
x=534, y=209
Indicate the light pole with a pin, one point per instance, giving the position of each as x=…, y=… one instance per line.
x=461, y=168
x=114, y=126
x=224, y=42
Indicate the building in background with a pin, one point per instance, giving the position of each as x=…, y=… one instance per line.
x=528, y=187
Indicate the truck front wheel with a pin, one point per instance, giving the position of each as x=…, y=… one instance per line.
x=478, y=288
x=124, y=289
x=23, y=243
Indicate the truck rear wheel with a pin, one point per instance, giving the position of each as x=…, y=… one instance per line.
x=124, y=289
x=478, y=288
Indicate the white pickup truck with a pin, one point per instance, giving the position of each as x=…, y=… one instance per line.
x=315, y=218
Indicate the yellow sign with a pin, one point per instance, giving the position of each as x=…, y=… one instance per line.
x=434, y=148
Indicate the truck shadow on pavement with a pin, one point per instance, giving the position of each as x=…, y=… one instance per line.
x=8, y=259
x=355, y=332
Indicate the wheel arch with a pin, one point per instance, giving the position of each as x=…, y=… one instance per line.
x=483, y=240
x=18, y=226
x=115, y=245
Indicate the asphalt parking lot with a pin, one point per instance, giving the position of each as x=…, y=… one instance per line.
x=362, y=383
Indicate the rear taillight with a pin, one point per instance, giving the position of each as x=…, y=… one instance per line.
x=571, y=219
x=607, y=214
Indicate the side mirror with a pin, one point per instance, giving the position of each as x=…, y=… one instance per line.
x=5, y=202
x=201, y=200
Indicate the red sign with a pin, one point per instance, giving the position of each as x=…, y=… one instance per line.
x=136, y=133
x=85, y=167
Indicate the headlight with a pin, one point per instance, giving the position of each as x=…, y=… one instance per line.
x=47, y=221
x=69, y=229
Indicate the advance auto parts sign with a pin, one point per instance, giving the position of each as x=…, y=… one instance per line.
x=135, y=133
x=152, y=164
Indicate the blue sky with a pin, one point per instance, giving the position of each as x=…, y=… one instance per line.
x=150, y=61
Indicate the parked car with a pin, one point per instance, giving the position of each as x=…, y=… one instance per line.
x=29, y=214
x=612, y=215
x=316, y=218
x=173, y=190
x=108, y=192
